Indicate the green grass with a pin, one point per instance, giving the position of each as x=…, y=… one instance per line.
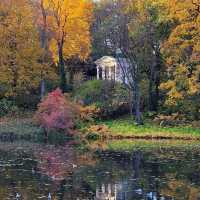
x=126, y=127
x=127, y=145
x=130, y=145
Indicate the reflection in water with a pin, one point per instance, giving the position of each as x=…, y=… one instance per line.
x=129, y=188
x=107, y=191
x=33, y=171
x=119, y=192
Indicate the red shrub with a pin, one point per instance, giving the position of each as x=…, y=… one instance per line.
x=56, y=112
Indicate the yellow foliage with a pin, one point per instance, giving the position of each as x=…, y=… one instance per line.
x=182, y=50
x=69, y=21
x=20, y=50
x=99, y=129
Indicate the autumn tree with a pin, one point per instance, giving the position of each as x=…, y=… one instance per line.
x=41, y=19
x=20, y=52
x=147, y=30
x=112, y=22
x=182, y=54
x=69, y=24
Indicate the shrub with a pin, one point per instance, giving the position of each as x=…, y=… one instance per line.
x=170, y=120
x=56, y=113
x=109, y=97
x=88, y=113
x=27, y=101
x=78, y=79
x=95, y=132
x=7, y=106
x=101, y=128
x=89, y=92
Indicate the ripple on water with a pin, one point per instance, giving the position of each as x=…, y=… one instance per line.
x=138, y=171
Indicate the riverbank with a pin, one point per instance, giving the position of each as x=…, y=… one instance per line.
x=21, y=126
x=18, y=126
x=124, y=128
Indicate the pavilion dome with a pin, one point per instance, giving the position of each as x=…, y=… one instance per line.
x=106, y=61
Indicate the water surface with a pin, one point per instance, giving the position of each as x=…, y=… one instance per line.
x=36, y=171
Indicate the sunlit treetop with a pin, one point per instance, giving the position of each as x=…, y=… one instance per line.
x=69, y=22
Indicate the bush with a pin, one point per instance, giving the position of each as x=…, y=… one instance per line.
x=78, y=79
x=170, y=120
x=109, y=97
x=56, y=113
x=7, y=106
x=88, y=113
x=101, y=129
x=27, y=101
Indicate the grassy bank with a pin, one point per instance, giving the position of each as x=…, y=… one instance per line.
x=22, y=127
x=144, y=145
x=125, y=128
x=18, y=126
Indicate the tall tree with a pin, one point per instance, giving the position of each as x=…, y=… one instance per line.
x=69, y=24
x=20, y=50
x=182, y=53
x=44, y=44
x=114, y=23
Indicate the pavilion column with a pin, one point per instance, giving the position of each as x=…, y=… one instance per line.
x=109, y=73
x=97, y=72
x=103, y=188
x=103, y=73
x=109, y=189
x=115, y=73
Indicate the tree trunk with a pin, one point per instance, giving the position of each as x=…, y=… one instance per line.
x=42, y=89
x=154, y=82
x=157, y=92
x=136, y=96
x=130, y=101
x=44, y=46
x=63, y=80
x=151, y=103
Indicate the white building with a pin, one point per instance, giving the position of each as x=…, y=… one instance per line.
x=110, y=68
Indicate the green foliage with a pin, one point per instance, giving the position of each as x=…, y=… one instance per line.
x=189, y=108
x=148, y=145
x=89, y=92
x=7, y=106
x=27, y=101
x=111, y=98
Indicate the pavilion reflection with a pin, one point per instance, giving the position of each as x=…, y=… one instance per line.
x=121, y=191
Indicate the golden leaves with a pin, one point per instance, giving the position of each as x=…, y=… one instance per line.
x=69, y=21
x=20, y=69
x=182, y=51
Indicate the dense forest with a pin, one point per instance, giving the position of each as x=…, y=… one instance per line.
x=46, y=44
x=100, y=99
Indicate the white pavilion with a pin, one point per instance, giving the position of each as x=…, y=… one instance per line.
x=110, y=68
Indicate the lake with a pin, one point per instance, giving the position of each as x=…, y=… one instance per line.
x=31, y=171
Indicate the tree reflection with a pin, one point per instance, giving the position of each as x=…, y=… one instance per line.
x=35, y=171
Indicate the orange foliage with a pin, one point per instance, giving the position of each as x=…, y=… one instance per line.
x=182, y=50
x=88, y=113
x=98, y=129
x=69, y=22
